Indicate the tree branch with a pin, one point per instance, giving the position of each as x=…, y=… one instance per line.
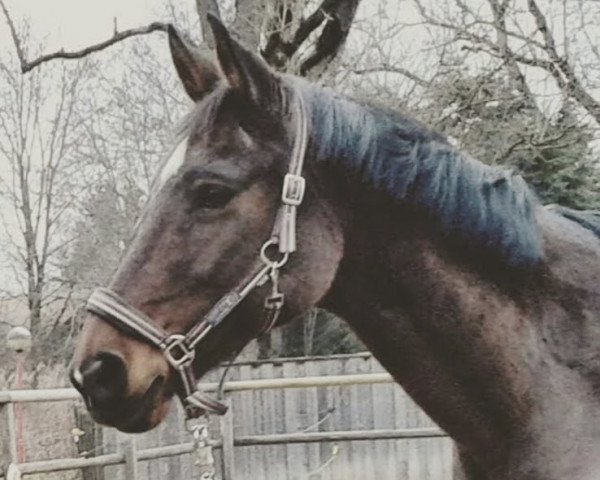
x=335, y=16
x=556, y=65
x=27, y=66
x=311, y=24
x=333, y=37
x=560, y=69
x=516, y=76
x=248, y=20
x=391, y=69
x=13, y=33
x=204, y=7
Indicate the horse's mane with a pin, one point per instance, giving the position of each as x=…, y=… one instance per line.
x=481, y=206
x=484, y=206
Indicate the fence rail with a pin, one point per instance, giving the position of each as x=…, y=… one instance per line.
x=130, y=456
x=64, y=394
x=63, y=464
x=58, y=465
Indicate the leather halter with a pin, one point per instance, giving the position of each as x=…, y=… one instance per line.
x=179, y=349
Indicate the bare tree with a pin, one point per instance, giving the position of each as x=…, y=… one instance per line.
x=292, y=44
x=516, y=88
x=529, y=34
x=37, y=134
x=127, y=123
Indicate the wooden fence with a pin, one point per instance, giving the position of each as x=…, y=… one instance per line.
x=316, y=419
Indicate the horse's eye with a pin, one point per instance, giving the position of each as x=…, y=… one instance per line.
x=210, y=195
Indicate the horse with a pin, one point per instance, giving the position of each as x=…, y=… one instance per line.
x=481, y=302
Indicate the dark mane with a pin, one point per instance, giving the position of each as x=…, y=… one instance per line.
x=479, y=205
x=483, y=206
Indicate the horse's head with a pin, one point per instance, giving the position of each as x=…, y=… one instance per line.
x=212, y=207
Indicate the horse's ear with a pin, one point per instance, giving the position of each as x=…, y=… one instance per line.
x=198, y=74
x=246, y=72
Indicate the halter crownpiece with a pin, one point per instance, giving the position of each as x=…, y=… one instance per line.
x=178, y=348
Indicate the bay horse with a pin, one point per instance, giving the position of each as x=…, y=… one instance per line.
x=482, y=303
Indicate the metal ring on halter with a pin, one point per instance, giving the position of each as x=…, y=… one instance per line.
x=265, y=258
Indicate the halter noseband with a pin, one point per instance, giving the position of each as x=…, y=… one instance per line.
x=179, y=349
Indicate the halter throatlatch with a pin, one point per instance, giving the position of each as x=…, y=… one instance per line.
x=179, y=349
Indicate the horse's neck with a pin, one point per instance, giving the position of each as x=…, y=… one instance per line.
x=465, y=349
x=421, y=318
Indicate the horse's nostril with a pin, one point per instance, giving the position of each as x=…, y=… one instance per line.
x=102, y=380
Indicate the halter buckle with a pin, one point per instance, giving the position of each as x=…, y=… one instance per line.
x=274, y=301
x=293, y=189
x=177, y=352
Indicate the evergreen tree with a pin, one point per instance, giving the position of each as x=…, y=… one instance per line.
x=496, y=124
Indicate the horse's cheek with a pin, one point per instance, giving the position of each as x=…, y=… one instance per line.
x=320, y=250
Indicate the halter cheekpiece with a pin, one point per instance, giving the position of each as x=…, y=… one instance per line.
x=179, y=349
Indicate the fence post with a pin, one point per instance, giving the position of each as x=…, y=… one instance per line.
x=131, y=463
x=228, y=457
x=8, y=437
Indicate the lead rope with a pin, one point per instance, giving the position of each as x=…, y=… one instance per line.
x=203, y=454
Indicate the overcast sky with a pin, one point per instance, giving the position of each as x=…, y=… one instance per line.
x=77, y=23
x=69, y=24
